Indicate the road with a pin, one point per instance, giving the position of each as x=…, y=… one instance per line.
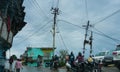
x=35, y=69
x=110, y=69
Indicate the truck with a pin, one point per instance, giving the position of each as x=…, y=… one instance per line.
x=116, y=56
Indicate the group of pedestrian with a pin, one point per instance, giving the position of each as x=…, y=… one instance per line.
x=15, y=65
x=71, y=59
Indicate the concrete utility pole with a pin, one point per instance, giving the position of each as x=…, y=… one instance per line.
x=55, y=12
x=91, y=38
x=85, y=40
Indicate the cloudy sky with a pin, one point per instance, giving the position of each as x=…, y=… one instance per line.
x=104, y=15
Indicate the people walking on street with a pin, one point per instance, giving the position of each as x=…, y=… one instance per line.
x=71, y=58
x=39, y=61
x=10, y=63
x=18, y=65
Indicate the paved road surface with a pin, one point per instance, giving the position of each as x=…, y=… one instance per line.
x=35, y=69
x=110, y=69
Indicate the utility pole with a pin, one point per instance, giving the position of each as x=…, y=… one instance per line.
x=55, y=13
x=91, y=38
x=85, y=41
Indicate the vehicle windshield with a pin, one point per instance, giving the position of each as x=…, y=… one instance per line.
x=110, y=52
x=100, y=54
x=118, y=48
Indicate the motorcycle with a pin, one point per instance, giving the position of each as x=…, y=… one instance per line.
x=78, y=67
x=55, y=64
x=89, y=66
x=68, y=66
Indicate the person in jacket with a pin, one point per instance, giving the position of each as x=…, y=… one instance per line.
x=18, y=65
x=80, y=57
x=71, y=58
x=11, y=62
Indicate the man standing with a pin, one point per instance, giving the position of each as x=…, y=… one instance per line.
x=10, y=62
x=72, y=58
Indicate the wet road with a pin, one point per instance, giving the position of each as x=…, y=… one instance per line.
x=35, y=69
x=110, y=69
x=42, y=69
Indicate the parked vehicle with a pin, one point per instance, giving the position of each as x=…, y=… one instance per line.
x=116, y=56
x=100, y=56
x=108, y=59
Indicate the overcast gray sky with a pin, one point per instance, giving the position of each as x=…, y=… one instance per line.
x=103, y=14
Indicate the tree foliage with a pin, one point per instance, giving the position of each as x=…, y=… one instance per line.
x=14, y=57
x=63, y=53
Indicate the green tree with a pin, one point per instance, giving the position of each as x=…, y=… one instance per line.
x=63, y=54
x=14, y=57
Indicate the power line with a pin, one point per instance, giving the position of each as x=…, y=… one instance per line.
x=100, y=33
x=40, y=8
x=34, y=5
x=62, y=39
x=103, y=34
x=55, y=4
x=42, y=26
x=107, y=17
x=35, y=32
x=86, y=8
x=108, y=42
x=37, y=6
x=71, y=23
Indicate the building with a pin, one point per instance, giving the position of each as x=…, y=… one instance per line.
x=11, y=22
x=33, y=52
